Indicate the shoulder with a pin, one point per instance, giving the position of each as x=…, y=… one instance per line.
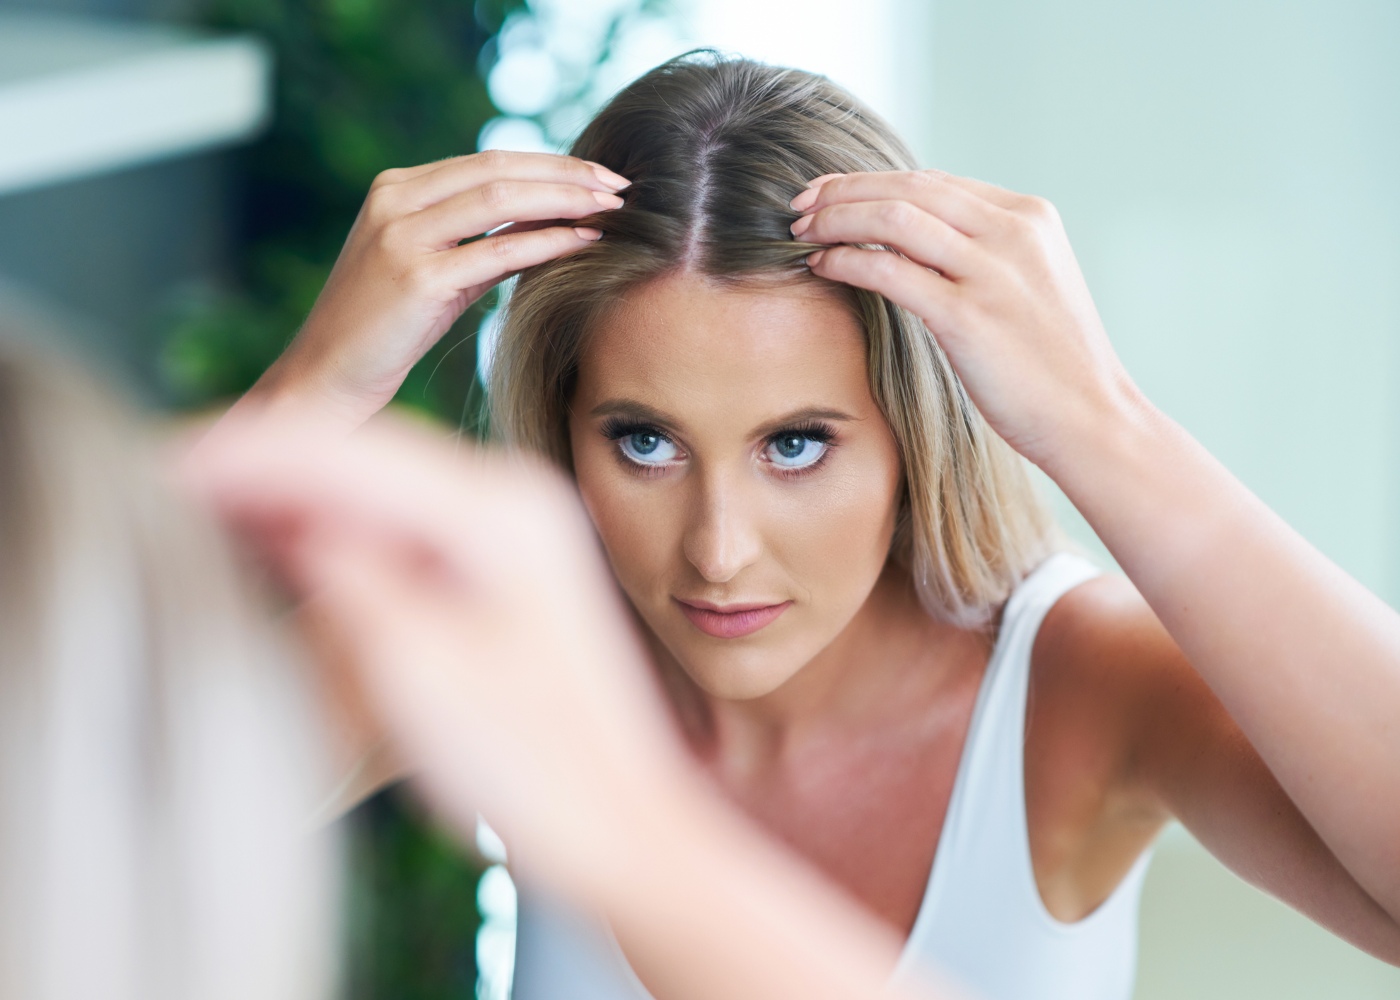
x=1105, y=668
x=1103, y=636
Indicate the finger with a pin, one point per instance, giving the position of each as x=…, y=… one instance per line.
x=907, y=228
x=481, y=209
x=284, y=470
x=448, y=177
x=959, y=208
x=816, y=182
x=478, y=265
x=388, y=479
x=999, y=196
x=925, y=293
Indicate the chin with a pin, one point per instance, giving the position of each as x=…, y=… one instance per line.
x=736, y=669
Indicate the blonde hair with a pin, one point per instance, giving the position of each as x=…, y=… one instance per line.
x=716, y=148
x=159, y=759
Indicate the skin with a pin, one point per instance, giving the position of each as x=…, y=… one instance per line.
x=853, y=661
x=1282, y=767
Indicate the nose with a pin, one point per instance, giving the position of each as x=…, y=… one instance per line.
x=721, y=536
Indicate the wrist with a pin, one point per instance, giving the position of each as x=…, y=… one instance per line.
x=1107, y=427
x=300, y=382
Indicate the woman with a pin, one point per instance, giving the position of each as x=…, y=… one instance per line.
x=840, y=570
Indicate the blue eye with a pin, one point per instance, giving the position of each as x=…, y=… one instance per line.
x=647, y=448
x=791, y=450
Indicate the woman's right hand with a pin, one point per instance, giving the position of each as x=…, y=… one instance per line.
x=402, y=279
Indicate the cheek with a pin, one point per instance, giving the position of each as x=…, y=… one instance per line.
x=836, y=535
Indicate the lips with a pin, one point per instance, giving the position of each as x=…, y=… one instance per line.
x=731, y=621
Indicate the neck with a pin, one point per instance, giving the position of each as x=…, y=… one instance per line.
x=890, y=659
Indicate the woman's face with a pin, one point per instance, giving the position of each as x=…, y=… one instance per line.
x=743, y=480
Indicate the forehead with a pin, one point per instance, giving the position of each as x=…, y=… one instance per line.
x=683, y=340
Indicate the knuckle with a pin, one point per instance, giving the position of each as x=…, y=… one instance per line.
x=387, y=177
x=1040, y=211
x=831, y=191
x=496, y=194
x=382, y=202
x=1017, y=225
x=882, y=264
x=505, y=248
x=578, y=167
x=898, y=214
x=392, y=236
x=924, y=181
x=491, y=159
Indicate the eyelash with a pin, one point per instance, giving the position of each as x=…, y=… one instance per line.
x=617, y=428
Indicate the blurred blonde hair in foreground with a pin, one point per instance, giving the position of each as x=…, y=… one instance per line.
x=159, y=758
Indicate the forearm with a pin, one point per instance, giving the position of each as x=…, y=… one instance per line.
x=1305, y=659
x=705, y=906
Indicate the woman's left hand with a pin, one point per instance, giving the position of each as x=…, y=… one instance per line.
x=993, y=276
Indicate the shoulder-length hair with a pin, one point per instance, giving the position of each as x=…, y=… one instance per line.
x=716, y=148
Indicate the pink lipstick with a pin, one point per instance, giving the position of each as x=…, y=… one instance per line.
x=730, y=621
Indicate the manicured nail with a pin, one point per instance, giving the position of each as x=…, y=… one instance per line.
x=813, y=259
x=607, y=200
x=817, y=182
x=801, y=225
x=585, y=233
x=805, y=200
x=615, y=181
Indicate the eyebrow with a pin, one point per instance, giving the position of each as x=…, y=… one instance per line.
x=643, y=413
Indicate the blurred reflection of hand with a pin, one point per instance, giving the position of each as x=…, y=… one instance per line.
x=485, y=628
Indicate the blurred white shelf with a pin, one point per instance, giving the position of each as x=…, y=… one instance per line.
x=81, y=96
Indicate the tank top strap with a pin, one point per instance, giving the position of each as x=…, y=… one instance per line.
x=982, y=905
x=990, y=784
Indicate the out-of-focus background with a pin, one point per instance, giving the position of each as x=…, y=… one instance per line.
x=176, y=177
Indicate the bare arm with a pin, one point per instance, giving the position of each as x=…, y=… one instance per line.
x=1303, y=658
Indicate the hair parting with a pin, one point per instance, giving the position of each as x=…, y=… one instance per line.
x=716, y=148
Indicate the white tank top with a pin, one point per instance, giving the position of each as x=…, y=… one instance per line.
x=982, y=922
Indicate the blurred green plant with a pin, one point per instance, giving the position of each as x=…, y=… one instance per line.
x=361, y=85
x=411, y=918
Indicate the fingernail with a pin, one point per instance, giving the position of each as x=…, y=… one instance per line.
x=813, y=259
x=585, y=233
x=615, y=181
x=804, y=201
x=801, y=225
x=817, y=182
x=607, y=200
